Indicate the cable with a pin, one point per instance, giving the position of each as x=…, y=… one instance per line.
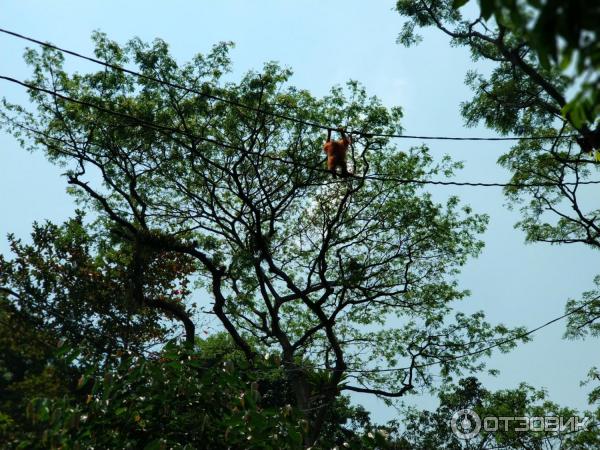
x=452, y=358
x=272, y=113
x=142, y=122
x=374, y=177
x=163, y=82
x=473, y=184
x=477, y=352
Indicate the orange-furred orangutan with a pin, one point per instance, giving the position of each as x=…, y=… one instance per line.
x=336, y=153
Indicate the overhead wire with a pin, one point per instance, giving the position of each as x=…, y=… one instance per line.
x=164, y=82
x=454, y=357
x=487, y=348
x=481, y=350
x=373, y=177
x=267, y=112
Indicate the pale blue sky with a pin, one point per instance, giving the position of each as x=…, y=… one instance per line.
x=327, y=43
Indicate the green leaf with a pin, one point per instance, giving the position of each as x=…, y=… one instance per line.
x=566, y=59
x=487, y=8
x=459, y=3
x=157, y=444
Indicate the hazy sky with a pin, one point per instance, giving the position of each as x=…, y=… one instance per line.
x=326, y=43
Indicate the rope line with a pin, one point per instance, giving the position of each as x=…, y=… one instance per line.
x=272, y=113
x=434, y=363
x=482, y=350
x=373, y=177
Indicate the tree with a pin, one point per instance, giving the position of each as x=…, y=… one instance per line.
x=295, y=263
x=69, y=336
x=73, y=284
x=183, y=399
x=25, y=370
x=526, y=94
x=431, y=429
x=68, y=288
x=563, y=34
x=174, y=399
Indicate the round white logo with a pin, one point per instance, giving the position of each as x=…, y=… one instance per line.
x=465, y=424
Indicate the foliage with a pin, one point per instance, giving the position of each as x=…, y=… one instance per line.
x=46, y=388
x=179, y=400
x=67, y=288
x=584, y=314
x=209, y=398
x=431, y=429
x=536, y=38
x=27, y=369
x=561, y=32
x=74, y=284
